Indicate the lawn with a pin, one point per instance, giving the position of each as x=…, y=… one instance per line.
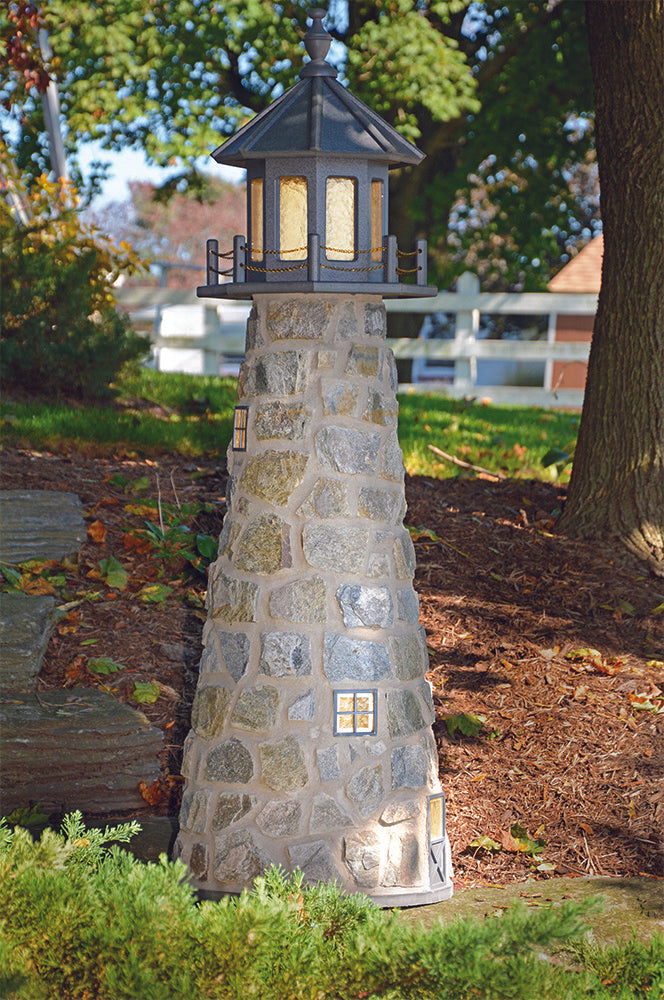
x=156, y=412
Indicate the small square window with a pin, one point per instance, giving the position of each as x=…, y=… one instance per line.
x=354, y=713
x=240, y=419
x=437, y=841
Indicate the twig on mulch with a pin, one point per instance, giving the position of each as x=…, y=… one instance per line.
x=493, y=476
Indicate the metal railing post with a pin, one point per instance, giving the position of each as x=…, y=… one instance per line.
x=212, y=262
x=239, y=259
x=421, y=262
x=391, y=261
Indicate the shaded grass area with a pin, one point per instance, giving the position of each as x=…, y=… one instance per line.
x=192, y=415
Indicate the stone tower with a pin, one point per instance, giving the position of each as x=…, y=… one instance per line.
x=311, y=744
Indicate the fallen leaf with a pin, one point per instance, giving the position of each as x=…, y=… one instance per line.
x=485, y=844
x=647, y=703
x=153, y=794
x=104, y=665
x=145, y=692
x=585, y=653
x=155, y=593
x=113, y=573
x=587, y=829
x=97, y=532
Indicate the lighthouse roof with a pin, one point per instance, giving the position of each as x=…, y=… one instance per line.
x=318, y=115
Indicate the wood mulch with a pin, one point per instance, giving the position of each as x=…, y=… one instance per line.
x=571, y=746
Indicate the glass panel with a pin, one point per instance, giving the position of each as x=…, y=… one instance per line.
x=345, y=703
x=376, y=220
x=436, y=817
x=364, y=724
x=257, y=217
x=240, y=428
x=345, y=723
x=340, y=218
x=292, y=218
x=364, y=702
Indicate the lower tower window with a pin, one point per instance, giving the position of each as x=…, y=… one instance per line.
x=240, y=418
x=354, y=713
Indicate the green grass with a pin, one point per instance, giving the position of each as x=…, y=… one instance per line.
x=196, y=413
x=506, y=439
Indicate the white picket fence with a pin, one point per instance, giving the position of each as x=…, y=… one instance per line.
x=206, y=336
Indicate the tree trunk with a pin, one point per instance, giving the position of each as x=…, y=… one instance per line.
x=617, y=484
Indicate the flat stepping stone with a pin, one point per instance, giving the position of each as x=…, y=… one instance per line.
x=25, y=627
x=75, y=749
x=39, y=524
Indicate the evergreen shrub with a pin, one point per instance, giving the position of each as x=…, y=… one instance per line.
x=60, y=332
x=81, y=919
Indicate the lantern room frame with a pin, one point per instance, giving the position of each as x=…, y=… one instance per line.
x=317, y=164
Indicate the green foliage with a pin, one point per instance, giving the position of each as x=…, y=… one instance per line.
x=81, y=918
x=469, y=725
x=60, y=333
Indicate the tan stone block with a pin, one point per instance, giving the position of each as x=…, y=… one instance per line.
x=274, y=475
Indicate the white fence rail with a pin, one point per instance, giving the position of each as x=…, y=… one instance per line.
x=200, y=335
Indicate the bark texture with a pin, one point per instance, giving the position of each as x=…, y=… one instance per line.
x=617, y=484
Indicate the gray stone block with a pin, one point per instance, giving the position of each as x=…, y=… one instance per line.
x=230, y=762
x=232, y=600
x=315, y=860
x=380, y=409
x=264, y=546
x=409, y=655
x=328, y=498
x=25, y=626
x=208, y=712
x=75, y=749
x=256, y=709
x=379, y=505
x=281, y=420
x=375, y=320
x=235, y=647
x=279, y=819
x=362, y=856
x=366, y=790
x=293, y=320
x=408, y=606
x=348, y=327
x=397, y=812
x=281, y=373
x=409, y=767
x=355, y=659
x=368, y=606
x=303, y=708
x=285, y=654
x=39, y=524
x=283, y=768
x=301, y=601
x=404, y=556
x=326, y=814
x=194, y=810
x=365, y=361
x=346, y=450
x=231, y=807
x=404, y=715
x=336, y=547
x=339, y=398
x=273, y=475
x=328, y=764
x=236, y=857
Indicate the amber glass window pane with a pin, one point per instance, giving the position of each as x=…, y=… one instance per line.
x=376, y=220
x=292, y=218
x=436, y=818
x=340, y=218
x=257, y=217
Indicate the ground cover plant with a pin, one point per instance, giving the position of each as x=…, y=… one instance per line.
x=82, y=918
x=546, y=652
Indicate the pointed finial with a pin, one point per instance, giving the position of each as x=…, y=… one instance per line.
x=317, y=43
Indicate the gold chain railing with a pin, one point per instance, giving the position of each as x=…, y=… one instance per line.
x=228, y=255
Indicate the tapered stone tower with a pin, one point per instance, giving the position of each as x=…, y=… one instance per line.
x=311, y=743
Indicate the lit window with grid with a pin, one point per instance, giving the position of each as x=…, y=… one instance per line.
x=354, y=713
x=437, y=847
x=240, y=419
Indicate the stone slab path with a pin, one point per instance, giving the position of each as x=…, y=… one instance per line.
x=61, y=750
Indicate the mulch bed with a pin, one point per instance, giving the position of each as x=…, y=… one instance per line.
x=572, y=745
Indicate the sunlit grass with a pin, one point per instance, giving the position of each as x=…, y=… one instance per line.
x=511, y=440
x=192, y=415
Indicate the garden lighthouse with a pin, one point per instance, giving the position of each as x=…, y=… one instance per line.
x=311, y=744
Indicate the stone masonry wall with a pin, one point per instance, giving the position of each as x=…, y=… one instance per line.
x=311, y=594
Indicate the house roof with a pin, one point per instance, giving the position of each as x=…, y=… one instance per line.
x=315, y=116
x=584, y=272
